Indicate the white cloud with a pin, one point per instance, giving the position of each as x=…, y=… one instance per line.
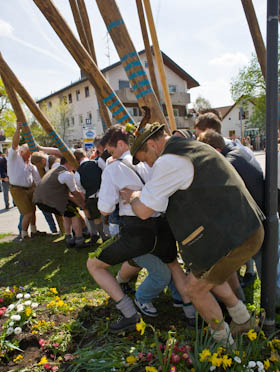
x=5, y=29
x=230, y=59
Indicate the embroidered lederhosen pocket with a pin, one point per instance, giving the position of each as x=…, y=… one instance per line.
x=194, y=236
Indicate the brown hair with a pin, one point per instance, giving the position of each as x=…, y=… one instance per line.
x=80, y=154
x=212, y=138
x=208, y=121
x=213, y=110
x=114, y=134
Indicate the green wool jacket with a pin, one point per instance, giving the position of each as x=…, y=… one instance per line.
x=216, y=213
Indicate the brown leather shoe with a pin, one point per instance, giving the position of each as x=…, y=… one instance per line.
x=238, y=329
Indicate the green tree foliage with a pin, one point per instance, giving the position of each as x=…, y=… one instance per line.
x=7, y=116
x=201, y=103
x=250, y=85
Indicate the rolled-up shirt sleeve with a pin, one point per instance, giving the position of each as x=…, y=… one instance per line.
x=68, y=179
x=170, y=173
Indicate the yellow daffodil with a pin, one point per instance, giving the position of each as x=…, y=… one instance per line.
x=150, y=369
x=60, y=303
x=43, y=360
x=252, y=335
x=18, y=358
x=215, y=360
x=141, y=326
x=54, y=290
x=131, y=359
x=266, y=364
x=274, y=357
x=226, y=361
x=205, y=355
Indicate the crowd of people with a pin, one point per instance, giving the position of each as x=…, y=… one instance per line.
x=166, y=200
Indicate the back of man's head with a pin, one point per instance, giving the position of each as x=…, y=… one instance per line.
x=208, y=110
x=212, y=138
x=208, y=121
x=63, y=161
x=80, y=154
x=38, y=158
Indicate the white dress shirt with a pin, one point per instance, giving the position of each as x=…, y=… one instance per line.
x=21, y=173
x=170, y=173
x=117, y=176
x=68, y=179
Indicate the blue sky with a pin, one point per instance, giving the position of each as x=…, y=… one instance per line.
x=209, y=39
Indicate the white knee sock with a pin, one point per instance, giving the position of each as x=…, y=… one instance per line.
x=223, y=336
x=239, y=313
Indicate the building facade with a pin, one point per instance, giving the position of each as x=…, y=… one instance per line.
x=75, y=110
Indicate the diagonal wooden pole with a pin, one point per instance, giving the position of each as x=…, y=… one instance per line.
x=148, y=51
x=255, y=33
x=27, y=134
x=84, y=60
x=160, y=65
x=83, y=26
x=130, y=59
x=30, y=103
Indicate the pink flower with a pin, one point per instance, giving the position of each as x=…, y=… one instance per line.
x=42, y=342
x=47, y=366
x=173, y=369
x=55, y=345
x=141, y=355
x=1, y=299
x=149, y=357
x=185, y=356
x=55, y=368
x=68, y=357
x=175, y=358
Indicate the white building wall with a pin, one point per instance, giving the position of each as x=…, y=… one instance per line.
x=232, y=122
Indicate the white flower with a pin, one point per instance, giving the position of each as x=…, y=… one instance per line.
x=27, y=303
x=27, y=295
x=11, y=324
x=11, y=307
x=17, y=330
x=260, y=364
x=34, y=305
x=212, y=368
x=251, y=364
x=237, y=359
x=10, y=330
x=19, y=295
x=16, y=317
x=20, y=308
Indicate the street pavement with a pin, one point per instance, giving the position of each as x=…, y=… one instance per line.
x=9, y=218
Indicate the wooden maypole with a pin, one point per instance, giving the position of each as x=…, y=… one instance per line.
x=84, y=30
x=160, y=65
x=130, y=59
x=148, y=51
x=27, y=134
x=255, y=33
x=84, y=60
x=13, y=81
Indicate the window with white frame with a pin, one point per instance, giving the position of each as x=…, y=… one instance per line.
x=70, y=98
x=81, y=119
x=78, y=94
x=123, y=84
x=86, y=91
x=72, y=121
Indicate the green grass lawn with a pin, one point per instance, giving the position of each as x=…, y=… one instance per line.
x=68, y=328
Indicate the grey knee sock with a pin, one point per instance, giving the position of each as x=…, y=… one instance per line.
x=126, y=306
x=92, y=227
x=99, y=228
x=189, y=310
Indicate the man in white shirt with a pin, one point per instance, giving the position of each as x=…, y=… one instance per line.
x=23, y=176
x=137, y=237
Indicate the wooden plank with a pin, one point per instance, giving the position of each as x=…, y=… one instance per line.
x=160, y=65
x=31, y=104
x=130, y=59
x=148, y=51
x=26, y=131
x=255, y=33
x=84, y=61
